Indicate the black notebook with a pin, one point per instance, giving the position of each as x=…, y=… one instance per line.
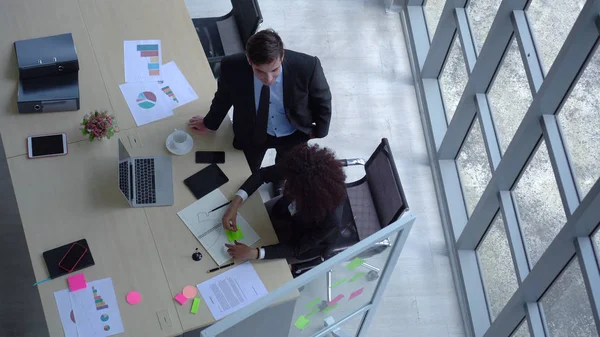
x=206, y=181
x=53, y=257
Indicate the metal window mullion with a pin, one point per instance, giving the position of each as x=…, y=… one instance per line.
x=487, y=129
x=454, y=196
x=441, y=42
x=513, y=234
x=529, y=56
x=475, y=293
x=418, y=30
x=435, y=109
x=534, y=316
x=589, y=269
x=482, y=216
x=464, y=33
x=560, y=164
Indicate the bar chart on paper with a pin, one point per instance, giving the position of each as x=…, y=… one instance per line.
x=143, y=60
x=151, y=52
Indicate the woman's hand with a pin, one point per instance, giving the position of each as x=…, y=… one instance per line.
x=196, y=123
x=241, y=251
x=229, y=218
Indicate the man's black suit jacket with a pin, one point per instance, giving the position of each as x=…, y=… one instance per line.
x=308, y=237
x=306, y=96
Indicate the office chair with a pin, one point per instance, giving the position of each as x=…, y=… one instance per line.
x=226, y=35
x=373, y=202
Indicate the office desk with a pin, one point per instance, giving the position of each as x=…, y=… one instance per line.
x=62, y=199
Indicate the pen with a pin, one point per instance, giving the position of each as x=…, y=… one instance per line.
x=225, y=204
x=42, y=281
x=221, y=267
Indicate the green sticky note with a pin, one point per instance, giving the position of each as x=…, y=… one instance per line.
x=328, y=309
x=356, y=277
x=355, y=263
x=232, y=236
x=313, y=303
x=195, y=305
x=310, y=314
x=302, y=322
x=338, y=283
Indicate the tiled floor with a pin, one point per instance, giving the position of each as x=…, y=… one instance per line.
x=363, y=53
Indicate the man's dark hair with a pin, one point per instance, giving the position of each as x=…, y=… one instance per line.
x=264, y=47
x=314, y=179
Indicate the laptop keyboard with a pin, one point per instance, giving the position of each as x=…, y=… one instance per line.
x=144, y=181
x=123, y=181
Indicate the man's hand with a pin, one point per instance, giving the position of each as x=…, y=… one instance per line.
x=196, y=123
x=229, y=219
x=241, y=251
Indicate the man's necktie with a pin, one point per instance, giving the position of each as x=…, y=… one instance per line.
x=262, y=116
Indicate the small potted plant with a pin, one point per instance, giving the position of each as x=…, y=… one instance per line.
x=99, y=124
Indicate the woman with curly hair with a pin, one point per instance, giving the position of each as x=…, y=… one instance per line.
x=306, y=218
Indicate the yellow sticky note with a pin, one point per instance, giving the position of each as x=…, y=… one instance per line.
x=302, y=322
x=195, y=305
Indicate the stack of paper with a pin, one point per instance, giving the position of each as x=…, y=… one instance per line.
x=152, y=90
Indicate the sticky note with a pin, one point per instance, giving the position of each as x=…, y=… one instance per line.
x=335, y=300
x=355, y=263
x=180, y=298
x=133, y=297
x=189, y=292
x=328, y=309
x=338, y=283
x=232, y=236
x=356, y=277
x=195, y=305
x=310, y=314
x=302, y=322
x=356, y=293
x=77, y=282
x=313, y=303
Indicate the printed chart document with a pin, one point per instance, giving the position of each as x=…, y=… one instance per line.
x=90, y=312
x=143, y=60
x=146, y=101
x=175, y=86
x=208, y=228
x=234, y=289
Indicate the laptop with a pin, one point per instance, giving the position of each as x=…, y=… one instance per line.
x=145, y=181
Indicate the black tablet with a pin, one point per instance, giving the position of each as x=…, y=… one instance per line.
x=54, y=256
x=206, y=181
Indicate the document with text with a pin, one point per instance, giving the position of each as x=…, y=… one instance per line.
x=234, y=289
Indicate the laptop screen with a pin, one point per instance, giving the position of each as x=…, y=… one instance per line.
x=123, y=154
x=125, y=178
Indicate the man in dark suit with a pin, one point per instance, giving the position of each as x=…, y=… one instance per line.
x=280, y=98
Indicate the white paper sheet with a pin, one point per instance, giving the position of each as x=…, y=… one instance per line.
x=146, y=102
x=232, y=290
x=175, y=86
x=92, y=311
x=143, y=60
x=208, y=229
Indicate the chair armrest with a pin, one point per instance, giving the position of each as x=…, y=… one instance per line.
x=333, y=251
x=352, y=161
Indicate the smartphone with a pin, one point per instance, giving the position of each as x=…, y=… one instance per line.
x=72, y=257
x=47, y=145
x=210, y=157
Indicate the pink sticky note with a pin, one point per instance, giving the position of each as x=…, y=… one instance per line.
x=356, y=293
x=180, y=298
x=335, y=300
x=189, y=292
x=77, y=282
x=133, y=297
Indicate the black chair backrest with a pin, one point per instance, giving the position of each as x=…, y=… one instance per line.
x=384, y=184
x=247, y=17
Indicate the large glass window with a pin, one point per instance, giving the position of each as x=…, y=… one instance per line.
x=497, y=268
x=550, y=22
x=433, y=11
x=481, y=15
x=539, y=207
x=509, y=96
x=473, y=167
x=566, y=306
x=522, y=331
x=579, y=119
x=453, y=78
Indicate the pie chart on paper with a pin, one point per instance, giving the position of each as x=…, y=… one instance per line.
x=146, y=100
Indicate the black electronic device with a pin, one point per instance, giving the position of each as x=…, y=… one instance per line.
x=206, y=180
x=54, y=256
x=210, y=157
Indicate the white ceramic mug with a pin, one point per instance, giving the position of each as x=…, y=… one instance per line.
x=178, y=140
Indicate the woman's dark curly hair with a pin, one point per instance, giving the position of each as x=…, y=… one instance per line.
x=314, y=179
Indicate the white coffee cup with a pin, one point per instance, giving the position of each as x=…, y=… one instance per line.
x=179, y=140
